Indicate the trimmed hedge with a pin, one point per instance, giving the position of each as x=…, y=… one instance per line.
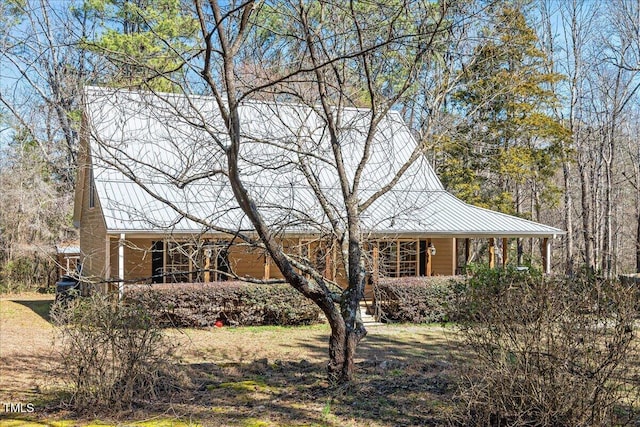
x=414, y=299
x=234, y=303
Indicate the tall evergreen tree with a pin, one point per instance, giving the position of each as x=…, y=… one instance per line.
x=506, y=142
x=145, y=41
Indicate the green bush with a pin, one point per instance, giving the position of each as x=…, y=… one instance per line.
x=234, y=303
x=414, y=299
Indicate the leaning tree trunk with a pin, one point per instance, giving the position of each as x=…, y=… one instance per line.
x=344, y=318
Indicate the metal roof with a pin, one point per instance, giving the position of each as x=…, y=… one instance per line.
x=172, y=145
x=68, y=249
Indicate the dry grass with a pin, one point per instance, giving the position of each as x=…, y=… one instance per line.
x=263, y=376
x=26, y=351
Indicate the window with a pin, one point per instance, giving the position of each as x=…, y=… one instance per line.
x=388, y=264
x=92, y=190
x=157, y=261
x=215, y=262
x=319, y=255
x=189, y=262
x=398, y=258
x=178, y=262
x=408, y=259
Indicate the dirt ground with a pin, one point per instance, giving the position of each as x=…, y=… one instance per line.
x=255, y=376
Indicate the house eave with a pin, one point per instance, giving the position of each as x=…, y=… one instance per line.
x=400, y=234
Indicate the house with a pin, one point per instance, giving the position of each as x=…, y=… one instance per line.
x=67, y=257
x=152, y=202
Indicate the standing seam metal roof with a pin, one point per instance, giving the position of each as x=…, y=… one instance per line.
x=166, y=141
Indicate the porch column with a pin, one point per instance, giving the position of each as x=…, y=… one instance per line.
x=107, y=258
x=328, y=265
x=267, y=267
x=546, y=255
x=121, y=266
x=207, y=265
x=492, y=252
x=467, y=251
x=454, y=257
x=505, y=252
x=429, y=264
x=376, y=261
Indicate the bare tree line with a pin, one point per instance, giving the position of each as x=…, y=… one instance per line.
x=593, y=44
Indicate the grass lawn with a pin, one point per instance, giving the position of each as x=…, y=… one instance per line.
x=254, y=376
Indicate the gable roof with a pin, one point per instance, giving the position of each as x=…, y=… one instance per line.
x=169, y=144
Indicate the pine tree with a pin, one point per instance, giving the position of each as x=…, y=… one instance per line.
x=507, y=142
x=144, y=40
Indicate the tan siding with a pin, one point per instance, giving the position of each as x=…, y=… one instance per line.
x=247, y=263
x=341, y=276
x=93, y=235
x=113, y=245
x=443, y=260
x=291, y=246
x=274, y=272
x=137, y=259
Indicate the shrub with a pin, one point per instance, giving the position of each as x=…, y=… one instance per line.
x=234, y=303
x=27, y=273
x=112, y=355
x=413, y=299
x=545, y=351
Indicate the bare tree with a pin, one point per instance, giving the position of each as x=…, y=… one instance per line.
x=44, y=69
x=41, y=74
x=632, y=176
x=343, y=66
x=577, y=21
x=593, y=46
x=614, y=90
x=627, y=19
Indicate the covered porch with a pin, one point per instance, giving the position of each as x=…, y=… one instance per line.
x=135, y=257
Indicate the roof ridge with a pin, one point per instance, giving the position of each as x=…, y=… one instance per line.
x=103, y=89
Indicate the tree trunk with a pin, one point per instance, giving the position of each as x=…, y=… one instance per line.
x=346, y=334
x=638, y=244
x=568, y=219
x=342, y=350
x=607, y=242
x=586, y=220
x=338, y=366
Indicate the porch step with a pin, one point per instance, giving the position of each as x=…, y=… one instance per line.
x=367, y=319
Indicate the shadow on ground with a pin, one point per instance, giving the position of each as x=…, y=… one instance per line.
x=39, y=307
x=386, y=392
x=401, y=380
x=270, y=377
